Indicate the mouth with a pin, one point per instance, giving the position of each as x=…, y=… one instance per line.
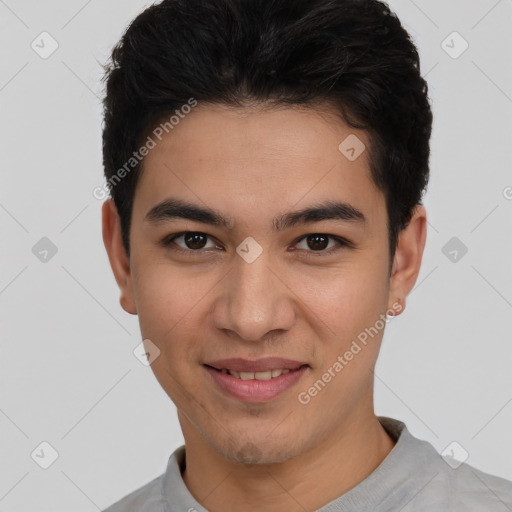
x=255, y=381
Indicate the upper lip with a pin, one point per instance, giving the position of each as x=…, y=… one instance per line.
x=258, y=365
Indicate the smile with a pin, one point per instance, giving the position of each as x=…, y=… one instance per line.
x=255, y=386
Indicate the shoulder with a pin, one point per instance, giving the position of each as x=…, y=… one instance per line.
x=147, y=498
x=423, y=480
x=466, y=488
x=447, y=484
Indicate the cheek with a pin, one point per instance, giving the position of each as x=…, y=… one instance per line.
x=351, y=305
x=169, y=306
x=348, y=298
x=168, y=297
x=165, y=307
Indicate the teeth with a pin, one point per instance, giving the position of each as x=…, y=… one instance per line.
x=270, y=374
x=263, y=375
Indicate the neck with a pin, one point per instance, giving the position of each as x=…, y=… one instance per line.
x=306, y=482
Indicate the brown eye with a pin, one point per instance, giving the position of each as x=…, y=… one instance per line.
x=317, y=242
x=195, y=240
x=191, y=241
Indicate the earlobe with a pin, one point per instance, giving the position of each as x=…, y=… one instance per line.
x=408, y=256
x=396, y=306
x=112, y=239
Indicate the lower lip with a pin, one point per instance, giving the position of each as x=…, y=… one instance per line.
x=255, y=390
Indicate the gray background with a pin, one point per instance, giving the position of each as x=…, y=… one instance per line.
x=67, y=372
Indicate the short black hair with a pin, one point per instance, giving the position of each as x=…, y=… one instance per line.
x=354, y=55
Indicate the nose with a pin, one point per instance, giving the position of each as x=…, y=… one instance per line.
x=254, y=301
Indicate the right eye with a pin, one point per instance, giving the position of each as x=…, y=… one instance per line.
x=193, y=241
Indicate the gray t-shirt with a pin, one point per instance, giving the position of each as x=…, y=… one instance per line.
x=412, y=478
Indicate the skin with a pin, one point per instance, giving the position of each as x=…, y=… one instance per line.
x=253, y=165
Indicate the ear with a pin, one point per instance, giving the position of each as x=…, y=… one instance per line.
x=111, y=224
x=407, y=260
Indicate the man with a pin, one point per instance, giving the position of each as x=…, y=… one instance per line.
x=267, y=160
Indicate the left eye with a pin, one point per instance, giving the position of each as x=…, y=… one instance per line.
x=318, y=242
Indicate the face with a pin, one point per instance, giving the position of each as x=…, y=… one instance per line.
x=253, y=281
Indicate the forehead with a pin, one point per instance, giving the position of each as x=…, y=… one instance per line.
x=243, y=161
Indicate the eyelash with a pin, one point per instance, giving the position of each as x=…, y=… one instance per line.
x=167, y=241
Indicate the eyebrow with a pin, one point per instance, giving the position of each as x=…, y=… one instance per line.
x=173, y=208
